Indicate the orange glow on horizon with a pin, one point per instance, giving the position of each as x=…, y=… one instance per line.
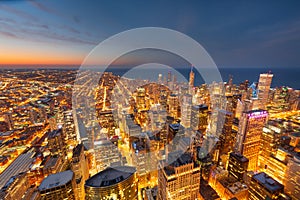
x=39, y=60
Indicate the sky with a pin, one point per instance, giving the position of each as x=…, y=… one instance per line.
x=234, y=33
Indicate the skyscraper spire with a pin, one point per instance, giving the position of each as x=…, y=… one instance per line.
x=192, y=78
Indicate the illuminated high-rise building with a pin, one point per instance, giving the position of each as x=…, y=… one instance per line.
x=141, y=99
x=80, y=168
x=175, y=131
x=264, y=187
x=237, y=165
x=113, y=183
x=186, y=110
x=169, y=78
x=191, y=78
x=276, y=165
x=270, y=141
x=224, y=132
x=58, y=186
x=56, y=143
x=106, y=154
x=199, y=117
x=292, y=180
x=248, y=139
x=264, y=85
x=173, y=106
x=15, y=188
x=160, y=79
x=180, y=179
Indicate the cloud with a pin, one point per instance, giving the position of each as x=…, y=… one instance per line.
x=8, y=34
x=76, y=19
x=17, y=12
x=42, y=7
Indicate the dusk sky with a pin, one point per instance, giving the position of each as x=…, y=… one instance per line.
x=234, y=33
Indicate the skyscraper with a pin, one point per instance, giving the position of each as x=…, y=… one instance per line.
x=80, y=168
x=186, y=110
x=270, y=141
x=224, y=132
x=248, y=139
x=58, y=186
x=191, y=78
x=179, y=180
x=173, y=105
x=264, y=85
x=113, y=183
x=292, y=180
x=237, y=165
x=141, y=99
x=199, y=117
x=263, y=187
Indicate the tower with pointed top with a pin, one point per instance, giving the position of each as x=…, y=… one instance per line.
x=192, y=78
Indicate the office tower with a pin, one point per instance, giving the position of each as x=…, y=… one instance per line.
x=270, y=141
x=235, y=100
x=141, y=99
x=226, y=186
x=144, y=159
x=224, y=132
x=276, y=165
x=186, y=110
x=292, y=180
x=191, y=78
x=264, y=85
x=248, y=139
x=237, y=165
x=174, y=79
x=173, y=106
x=58, y=186
x=113, y=183
x=80, y=168
x=264, y=187
x=107, y=120
x=169, y=78
x=21, y=164
x=91, y=130
x=183, y=90
x=56, y=143
x=199, y=117
x=106, y=155
x=68, y=125
x=15, y=188
x=157, y=116
x=180, y=179
x=160, y=79
x=175, y=130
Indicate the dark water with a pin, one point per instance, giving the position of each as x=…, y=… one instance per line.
x=282, y=76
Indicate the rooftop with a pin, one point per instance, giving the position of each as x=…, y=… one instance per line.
x=56, y=180
x=239, y=157
x=77, y=150
x=110, y=176
x=177, y=159
x=268, y=182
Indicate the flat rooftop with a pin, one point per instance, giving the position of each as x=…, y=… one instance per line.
x=239, y=157
x=268, y=182
x=56, y=180
x=110, y=176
